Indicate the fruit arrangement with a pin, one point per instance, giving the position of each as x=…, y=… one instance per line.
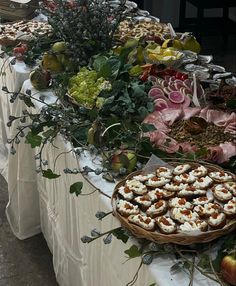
x=187, y=199
x=154, y=53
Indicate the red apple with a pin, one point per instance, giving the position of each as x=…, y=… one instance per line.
x=228, y=269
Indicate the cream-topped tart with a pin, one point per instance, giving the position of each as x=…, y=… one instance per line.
x=180, y=169
x=191, y=192
x=230, y=208
x=164, y=172
x=202, y=201
x=198, y=225
x=221, y=193
x=158, y=194
x=207, y=209
x=182, y=215
x=199, y=172
x=137, y=187
x=174, y=186
x=126, y=208
x=166, y=225
x=217, y=220
x=231, y=186
x=126, y=193
x=203, y=182
x=185, y=178
x=157, y=182
x=180, y=203
x=221, y=176
x=144, y=202
x=143, y=221
x=157, y=209
x=143, y=178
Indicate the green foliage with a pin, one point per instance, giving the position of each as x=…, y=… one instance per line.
x=133, y=252
x=33, y=140
x=49, y=174
x=120, y=234
x=88, y=27
x=76, y=188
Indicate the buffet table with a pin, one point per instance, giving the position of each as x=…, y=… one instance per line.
x=38, y=204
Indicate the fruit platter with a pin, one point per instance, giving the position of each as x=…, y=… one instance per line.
x=179, y=203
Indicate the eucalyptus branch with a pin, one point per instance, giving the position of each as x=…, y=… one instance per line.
x=196, y=267
x=96, y=189
x=214, y=272
x=88, y=239
x=192, y=272
x=135, y=278
x=57, y=157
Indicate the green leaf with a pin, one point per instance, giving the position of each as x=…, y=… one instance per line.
x=120, y=234
x=33, y=140
x=146, y=127
x=99, y=62
x=204, y=262
x=143, y=112
x=48, y=133
x=49, y=174
x=133, y=252
x=76, y=188
x=201, y=152
x=28, y=102
x=153, y=284
x=231, y=103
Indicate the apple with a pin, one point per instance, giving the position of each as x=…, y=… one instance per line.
x=59, y=47
x=19, y=51
x=228, y=268
x=40, y=79
x=123, y=159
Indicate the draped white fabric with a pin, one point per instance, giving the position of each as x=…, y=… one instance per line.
x=36, y=202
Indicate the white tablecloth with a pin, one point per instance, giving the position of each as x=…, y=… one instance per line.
x=37, y=203
x=14, y=76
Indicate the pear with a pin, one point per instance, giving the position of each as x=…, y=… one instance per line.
x=59, y=47
x=50, y=63
x=190, y=43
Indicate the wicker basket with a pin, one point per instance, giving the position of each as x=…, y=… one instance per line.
x=178, y=238
x=13, y=11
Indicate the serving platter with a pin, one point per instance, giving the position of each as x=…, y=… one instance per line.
x=181, y=238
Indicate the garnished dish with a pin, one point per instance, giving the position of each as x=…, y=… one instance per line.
x=23, y=31
x=188, y=200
